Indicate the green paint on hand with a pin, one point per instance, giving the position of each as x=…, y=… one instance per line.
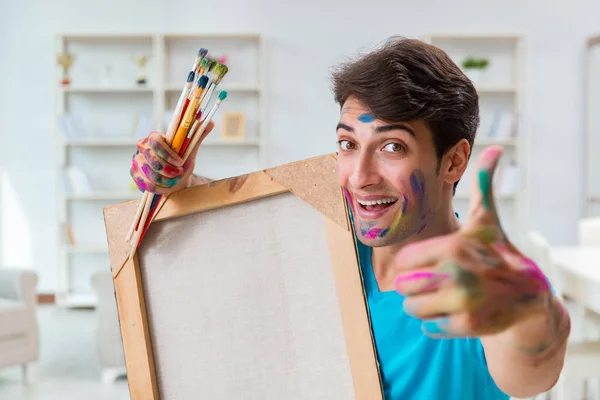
x=484, y=186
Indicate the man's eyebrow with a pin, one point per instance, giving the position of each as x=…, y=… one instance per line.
x=394, y=127
x=344, y=127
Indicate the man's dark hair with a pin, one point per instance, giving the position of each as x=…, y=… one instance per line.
x=407, y=79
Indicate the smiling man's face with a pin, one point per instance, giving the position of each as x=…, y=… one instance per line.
x=389, y=175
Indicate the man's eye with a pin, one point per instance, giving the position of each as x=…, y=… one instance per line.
x=394, y=147
x=346, y=145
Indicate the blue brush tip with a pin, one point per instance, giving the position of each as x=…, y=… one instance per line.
x=203, y=81
x=202, y=52
x=191, y=76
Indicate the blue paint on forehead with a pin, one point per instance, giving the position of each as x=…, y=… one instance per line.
x=366, y=118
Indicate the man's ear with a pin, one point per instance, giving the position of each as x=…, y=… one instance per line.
x=455, y=161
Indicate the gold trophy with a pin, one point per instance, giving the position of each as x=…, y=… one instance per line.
x=66, y=61
x=141, y=61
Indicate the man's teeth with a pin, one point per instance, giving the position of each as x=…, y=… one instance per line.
x=372, y=203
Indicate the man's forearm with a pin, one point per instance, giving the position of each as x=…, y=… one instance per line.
x=527, y=359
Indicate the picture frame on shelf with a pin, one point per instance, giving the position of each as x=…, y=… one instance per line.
x=233, y=126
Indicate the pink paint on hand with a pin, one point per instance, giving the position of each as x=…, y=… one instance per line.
x=415, y=276
x=536, y=273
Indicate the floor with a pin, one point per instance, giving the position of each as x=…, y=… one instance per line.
x=68, y=369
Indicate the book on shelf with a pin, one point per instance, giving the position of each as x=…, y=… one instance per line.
x=71, y=127
x=76, y=181
x=508, y=179
x=144, y=126
x=504, y=126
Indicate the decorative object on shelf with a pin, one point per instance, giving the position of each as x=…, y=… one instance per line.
x=141, y=60
x=65, y=60
x=474, y=68
x=233, y=126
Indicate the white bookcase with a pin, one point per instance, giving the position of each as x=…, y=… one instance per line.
x=593, y=128
x=500, y=89
x=106, y=109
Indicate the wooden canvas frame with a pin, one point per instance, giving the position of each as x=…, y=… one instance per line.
x=314, y=181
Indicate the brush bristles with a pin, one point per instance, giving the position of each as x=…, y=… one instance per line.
x=203, y=81
x=223, y=95
x=191, y=76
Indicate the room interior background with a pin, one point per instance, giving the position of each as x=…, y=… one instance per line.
x=303, y=41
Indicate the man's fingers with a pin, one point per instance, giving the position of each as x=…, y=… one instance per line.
x=441, y=302
x=425, y=252
x=159, y=165
x=162, y=150
x=482, y=206
x=420, y=282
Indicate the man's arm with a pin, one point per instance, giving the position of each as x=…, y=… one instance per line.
x=527, y=359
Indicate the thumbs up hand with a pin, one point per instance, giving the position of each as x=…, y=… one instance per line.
x=472, y=282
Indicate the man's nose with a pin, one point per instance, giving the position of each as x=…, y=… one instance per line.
x=365, y=172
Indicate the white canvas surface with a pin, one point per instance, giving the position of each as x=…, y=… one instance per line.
x=242, y=305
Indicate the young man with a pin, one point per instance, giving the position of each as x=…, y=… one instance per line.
x=457, y=311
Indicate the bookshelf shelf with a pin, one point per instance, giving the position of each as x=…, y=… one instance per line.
x=107, y=89
x=500, y=88
x=86, y=249
x=497, y=196
x=102, y=115
x=98, y=142
x=496, y=89
x=490, y=141
x=224, y=86
x=98, y=196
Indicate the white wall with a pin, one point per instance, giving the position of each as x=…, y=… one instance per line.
x=305, y=39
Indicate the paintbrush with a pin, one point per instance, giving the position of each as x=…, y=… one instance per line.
x=177, y=142
x=147, y=197
x=188, y=117
x=199, y=135
x=220, y=72
x=197, y=138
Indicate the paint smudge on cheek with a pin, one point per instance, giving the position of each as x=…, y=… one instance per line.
x=421, y=230
x=366, y=118
x=417, y=184
x=370, y=231
x=401, y=214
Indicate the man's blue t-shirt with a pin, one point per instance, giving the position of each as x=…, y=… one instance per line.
x=414, y=366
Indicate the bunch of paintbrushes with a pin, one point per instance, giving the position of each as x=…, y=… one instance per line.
x=186, y=129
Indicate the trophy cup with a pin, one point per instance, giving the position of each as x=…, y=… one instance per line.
x=65, y=60
x=141, y=60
